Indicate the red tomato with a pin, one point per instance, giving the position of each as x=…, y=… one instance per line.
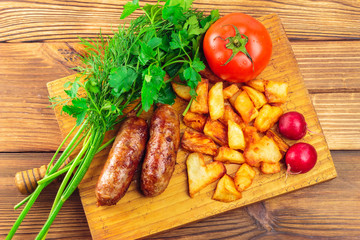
x=244, y=37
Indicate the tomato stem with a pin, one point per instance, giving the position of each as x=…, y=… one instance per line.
x=237, y=44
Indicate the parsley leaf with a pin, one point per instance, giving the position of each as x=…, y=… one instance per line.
x=146, y=53
x=91, y=87
x=178, y=40
x=192, y=26
x=154, y=80
x=155, y=42
x=184, y=4
x=198, y=65
x=191, y=76
x=121, y=79
x=166, y=95
x=206, y=22
x=73, y=90
x=173, y=14
x=129, y=8
x=78, y=109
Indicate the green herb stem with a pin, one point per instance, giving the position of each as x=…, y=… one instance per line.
x=22, y=202
x=188, y=106
x=26, y=209
x=52, y=176
x=94, y=142
x=39, y=188
x=60, y=146
x=67, y=167
x=66, y=152
x=77, y=160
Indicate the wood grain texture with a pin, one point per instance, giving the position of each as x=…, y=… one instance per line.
x=45, y=20
x=71, y=221
x=137, y=216
x=330, y=69
x=27, y=123
x=329, y=66
x=328, y=210
x=337, y=112
x=331, y=73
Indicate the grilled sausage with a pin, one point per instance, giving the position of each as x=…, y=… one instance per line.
x=160, y=157
x=124, y=157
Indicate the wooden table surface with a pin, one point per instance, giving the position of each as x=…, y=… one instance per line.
x=38, y=44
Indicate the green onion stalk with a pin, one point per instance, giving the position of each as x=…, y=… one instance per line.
x=124, y=71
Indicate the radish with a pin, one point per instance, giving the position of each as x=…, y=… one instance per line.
x=292, y=125
x=300, y=158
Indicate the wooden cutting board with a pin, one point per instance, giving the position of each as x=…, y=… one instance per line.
x=137, y=216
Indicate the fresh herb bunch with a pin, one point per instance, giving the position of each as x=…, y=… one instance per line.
x=133, y=63
x=117, y=71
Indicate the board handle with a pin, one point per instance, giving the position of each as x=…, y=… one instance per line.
x=26, y=181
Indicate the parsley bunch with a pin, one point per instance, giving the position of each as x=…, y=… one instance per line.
x=132, y=64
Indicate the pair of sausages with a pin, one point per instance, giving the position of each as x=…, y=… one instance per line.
x=128, y=150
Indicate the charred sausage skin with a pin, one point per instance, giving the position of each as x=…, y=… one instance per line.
x=123, y=159
x=160, y=158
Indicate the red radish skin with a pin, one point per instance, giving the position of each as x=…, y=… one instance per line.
x=292, y=125
x=300, y=158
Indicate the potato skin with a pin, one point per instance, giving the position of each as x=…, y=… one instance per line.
x=123, y=159
x=160, y=158
x=194, y=141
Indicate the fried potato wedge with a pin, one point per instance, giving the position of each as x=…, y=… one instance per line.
x=195, y=120
x=216, y=101
x=276, y=92
x=257, y=97
x=230, y=114
x=270, y=168
x=244, y=176
x=200, y=175
x=245, y=107
x=229, y=91
x=216, y=131
x=251, y=134
x=236, y=139
x=226, y=190
x=267, y=117
x=264, y=150
x=194, y=141
x=233, y=97
x=181, y=90
x=200, y=103
x=257, y=84
x=283, y=146
x=228, y=155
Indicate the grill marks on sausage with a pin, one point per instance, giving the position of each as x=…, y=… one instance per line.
x=160, y=158
x=128, y=149
x=124, y=157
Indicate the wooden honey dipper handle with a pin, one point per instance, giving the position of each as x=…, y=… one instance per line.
x=26, y=181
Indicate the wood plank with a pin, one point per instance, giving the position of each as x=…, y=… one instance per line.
x=337, y=112
x=136, y=216
x=27, y=124
x=51, y=20
x=324, y=211
x=329, y=66
x=71, y=221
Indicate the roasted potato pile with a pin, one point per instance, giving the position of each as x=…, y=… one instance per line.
x=232, y=124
